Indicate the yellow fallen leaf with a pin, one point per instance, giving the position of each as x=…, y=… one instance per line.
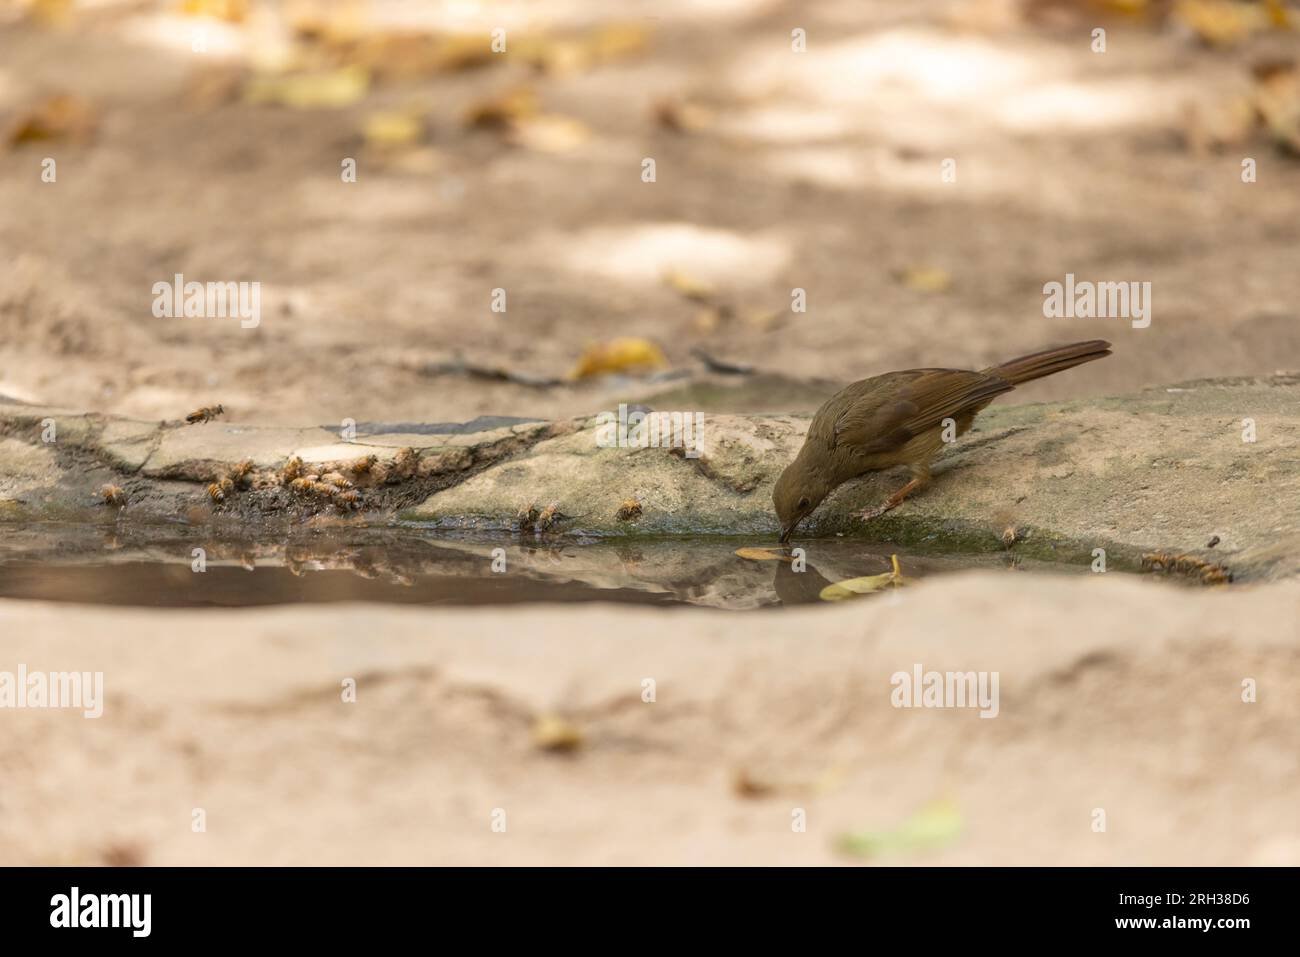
x=562, y=56
x=763, y=554
x=688, y=285
x=1220, y=22
x=926, y=279
x=545, y=53
x=51, y=13
x=933, y=827
x=391, y=129
x=1127, y=7
x=322, y=89
x=618, y=355
x=232, y=11
x=548, y=133
x=1278, y=14
x=853, y=587
x=502, y=110
x=1277, y=100
x=554, y=733
x=467, y=51
x=58, y=117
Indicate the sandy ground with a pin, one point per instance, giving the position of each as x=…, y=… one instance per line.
x=820, y=170
x=1115, y=695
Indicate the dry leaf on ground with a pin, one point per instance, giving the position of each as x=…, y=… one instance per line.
x=619, y=355
x=503, y=110
x=933, y=827
x=548, y=133
x=689, y=286
x=394, y=129
x=62, y=116
x=770, y=554
x=554, y=733
x=866, y=585
x=322, y=89
x=925, y=278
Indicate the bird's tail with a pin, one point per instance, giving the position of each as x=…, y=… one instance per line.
x=1050, y=361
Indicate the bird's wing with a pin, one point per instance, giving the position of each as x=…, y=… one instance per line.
x=917, y=401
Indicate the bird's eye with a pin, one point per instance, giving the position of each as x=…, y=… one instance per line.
x=803, y=503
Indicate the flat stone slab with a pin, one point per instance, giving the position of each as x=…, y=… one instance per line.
x=1167, y=470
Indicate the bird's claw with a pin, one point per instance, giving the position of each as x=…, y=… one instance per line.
x=872, y=513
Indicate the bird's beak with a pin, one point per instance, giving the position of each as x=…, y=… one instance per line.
x=787, y=532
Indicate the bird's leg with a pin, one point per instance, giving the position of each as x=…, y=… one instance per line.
x=920, y=477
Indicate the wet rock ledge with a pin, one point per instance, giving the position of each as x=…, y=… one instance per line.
x=1165, y=471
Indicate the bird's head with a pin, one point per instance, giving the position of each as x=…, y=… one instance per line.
x=798, y=491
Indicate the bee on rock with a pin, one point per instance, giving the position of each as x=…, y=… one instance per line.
x=205, y=414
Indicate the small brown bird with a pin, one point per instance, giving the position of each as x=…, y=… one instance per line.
x=898, y=419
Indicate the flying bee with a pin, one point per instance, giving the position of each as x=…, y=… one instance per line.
x=112, y=495
x=362, y=466
x=205, y=414
x=292, y=470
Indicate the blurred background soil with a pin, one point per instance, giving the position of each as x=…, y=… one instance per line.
x=521, y=170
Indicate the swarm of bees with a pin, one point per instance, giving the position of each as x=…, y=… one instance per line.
x=629, y=510
x=332, y=482
x=205, y=414
x=112, y=495
x=1208, y=572
x=331, y=486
